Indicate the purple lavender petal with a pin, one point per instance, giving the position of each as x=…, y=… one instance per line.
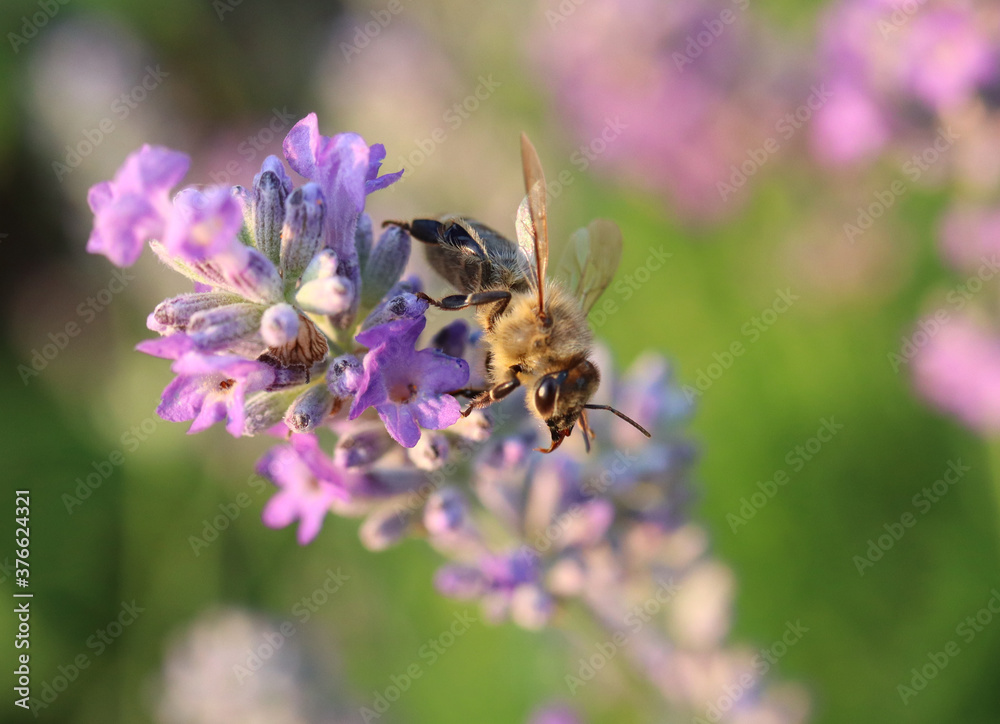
x=208, y=388
x=399, y=423
x=404, y=331
x=406, y=386
x=182, y=399
x=438, y=371
x=204, y=224
x=213, y=410
x=374, y=182
x=134, y=207
x=437, y=413
x=344, y=166
x=308, y=485
x=171, y=347
x=153, y=168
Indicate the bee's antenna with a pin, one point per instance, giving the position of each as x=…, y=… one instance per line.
x=622, y=415
x=587, y=434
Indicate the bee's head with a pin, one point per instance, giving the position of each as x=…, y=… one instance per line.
x=559, y=397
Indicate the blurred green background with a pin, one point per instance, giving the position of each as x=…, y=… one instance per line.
x=826, y=357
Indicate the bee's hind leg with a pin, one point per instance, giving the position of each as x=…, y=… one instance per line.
x=461, y=301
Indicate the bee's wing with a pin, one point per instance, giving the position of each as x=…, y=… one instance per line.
x=532, y=217
x=590, y=261
x=525, y=229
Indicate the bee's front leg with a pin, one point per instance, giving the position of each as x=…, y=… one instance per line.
x=497, y=392
x=469, y=392
x=461, y=301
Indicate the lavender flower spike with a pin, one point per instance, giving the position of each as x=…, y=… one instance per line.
x=272, y=340
x=134, y=207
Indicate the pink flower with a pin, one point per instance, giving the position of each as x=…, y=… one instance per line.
x=958, y=370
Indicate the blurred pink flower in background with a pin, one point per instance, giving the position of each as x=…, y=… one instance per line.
x=851, y=127
x=970, y=234
x=956, y=365
x=667, y=95
x=958, y=370
x=554, y=714
x=899, y=72
x=948, y=56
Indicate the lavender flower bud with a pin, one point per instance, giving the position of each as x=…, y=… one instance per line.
x=431, y=451
x=385, y=265
x=285, y=375
x=254, y=277
x=323, y=290
x=216, y=329
x=460, y=581
x=309, y=409
x=268, y=214
x=477, y=426
x=452, y=338
x=363, y=236
x=385, y=528
x=302, y=234
x=274, y=165
x=348, y=269
x=322, y=266
x=246, y=206
x=174, y=315
x=531, y=607
x=445, y=512
x=266, y=409
x=410, y=285
x=344, y=375
x=279, y=325
x=403, y=306
x=586, y=524
x=326, y=296
x=701, y=614
x=566, y=577
x=359, y=448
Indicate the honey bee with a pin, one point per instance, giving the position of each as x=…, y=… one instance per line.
x=535, y=329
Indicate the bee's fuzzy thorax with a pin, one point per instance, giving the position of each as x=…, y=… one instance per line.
x=519, y=337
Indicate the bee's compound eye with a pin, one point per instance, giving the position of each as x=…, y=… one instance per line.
x=545, y=396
